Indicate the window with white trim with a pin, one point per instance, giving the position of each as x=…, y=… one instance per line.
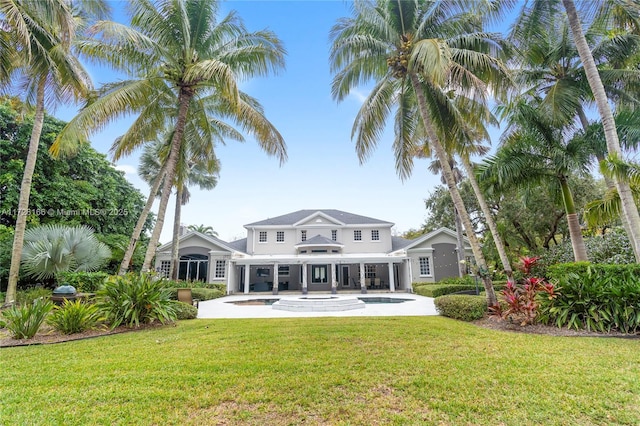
x=303, y=235
x=375, y=235
x=280, y=237
x=283, y=271
x=425, y=267
x=165, y=267
x=370, y=271
x=357, y=235
x=334, y=235
x=221, y=269
x=319, y=274
x=262, y=238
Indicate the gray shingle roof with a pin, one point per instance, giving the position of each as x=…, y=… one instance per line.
x=319, y=240
x=398, y=242
x=240, y=245
x=339, y=215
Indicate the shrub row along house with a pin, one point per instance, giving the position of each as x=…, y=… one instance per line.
x=315, y=250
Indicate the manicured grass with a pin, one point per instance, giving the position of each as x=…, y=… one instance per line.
x=329, y=371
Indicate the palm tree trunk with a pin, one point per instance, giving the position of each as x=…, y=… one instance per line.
x=184, y=99
x=175, y=244
x=629, y=209
x=25, y=193
x=126, y=260
x=575, y=232
x=462, y=270
x=453, y=190
x=502, y=253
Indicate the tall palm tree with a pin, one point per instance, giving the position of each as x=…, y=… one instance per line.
x=629, y=207
x=178, y=54
x=36, y=39
x=534, y=153
x=420, y=54
x=192, y=170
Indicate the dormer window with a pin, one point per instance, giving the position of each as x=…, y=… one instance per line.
x=303, y=235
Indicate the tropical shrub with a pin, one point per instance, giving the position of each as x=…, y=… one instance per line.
x=184, y=311
x=135, y=299
x=54, y=248
x=461, y=306
x=440, y=290
x=198, y=293
x=84, y=282
x=23, y=322
x=74, y=317
x=27, y=296
x=596, y=297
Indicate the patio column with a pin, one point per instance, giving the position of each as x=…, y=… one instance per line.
x=408, y=275
x=247, y=278
x=304, y=278
x=392, y=278
x=276, y=278
x=334, y=279
x=363, y=284
x=231, y=276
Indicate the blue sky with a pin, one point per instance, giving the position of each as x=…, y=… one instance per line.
x=322, y=171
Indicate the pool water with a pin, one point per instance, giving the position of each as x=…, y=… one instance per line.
x=366, y=300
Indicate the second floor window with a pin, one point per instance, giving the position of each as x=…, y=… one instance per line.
x=263, y=237
x=334, y=235
x=280, y=237
x=303, y=235
x=375, y=235
x=357, y=235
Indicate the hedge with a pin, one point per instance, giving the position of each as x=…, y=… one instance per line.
x=184, y=311
x=442, y=289
x=84, y=282
x=199, y=293
x=461, y=306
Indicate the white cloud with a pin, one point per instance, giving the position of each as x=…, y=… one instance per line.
x=127, y=169
x=358, y=95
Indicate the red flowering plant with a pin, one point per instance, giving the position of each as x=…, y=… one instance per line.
x=521, y=300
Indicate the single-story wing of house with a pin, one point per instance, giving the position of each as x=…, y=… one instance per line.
x=316, y=250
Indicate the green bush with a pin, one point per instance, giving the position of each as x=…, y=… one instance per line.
x=133, y=299
x=466, y=280
x=198, y=293
x=75, y=317
x=442, y=289
x=27, y=296
x=84, y=282
x=461, y=306
x=196, y=284
x=184, y=311
x=23, y=322
x=595, y=297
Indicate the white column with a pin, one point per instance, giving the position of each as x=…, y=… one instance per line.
x=304, y=278
x=392, y=278
x=231, y=276
x=408, y=276
x=276, y=278
x=247, y=278
x=334, y=279
x=363, y=284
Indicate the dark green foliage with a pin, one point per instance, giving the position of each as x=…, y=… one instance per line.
x=184, y=311
x=136, y=299
x=596, y=297
x=27, y=296
x=461, y=307
x=440, y=290
x=84, y=282
x=23, y=322
x=198, y=293
x=75, y=317
x=466, y=280
x=6, y=245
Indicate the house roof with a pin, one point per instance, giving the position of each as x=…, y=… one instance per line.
x=398, y=243
x=239, y=245
x=319, y=240
x=432, y=234
x=339, y=216
x=217, y=241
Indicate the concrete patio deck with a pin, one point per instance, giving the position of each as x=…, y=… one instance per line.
x=221, y=308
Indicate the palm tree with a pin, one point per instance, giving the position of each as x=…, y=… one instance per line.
x=179, y=54
x=629, y=208
x=192, y=170
x=533, y=154
x=203, y=229
x=36, y=40
x=420, y=54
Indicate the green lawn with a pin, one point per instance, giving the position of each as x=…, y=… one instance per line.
x=328, y=371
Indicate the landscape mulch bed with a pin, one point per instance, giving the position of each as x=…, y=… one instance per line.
x=47, y=335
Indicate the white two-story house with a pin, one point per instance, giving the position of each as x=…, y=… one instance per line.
x=315, y=250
